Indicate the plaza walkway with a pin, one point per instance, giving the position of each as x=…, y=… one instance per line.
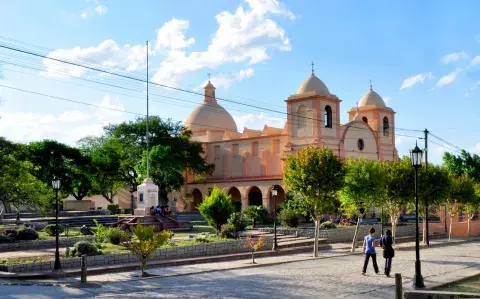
x=336, y=274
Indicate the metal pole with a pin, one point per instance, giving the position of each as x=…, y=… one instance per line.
x=398, y=286
x=57, y=265
x=275, y=245
x=427, y=237
x=147, y=139
x=83, y=265
x=418, y=279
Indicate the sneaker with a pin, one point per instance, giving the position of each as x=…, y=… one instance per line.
x=364, y=274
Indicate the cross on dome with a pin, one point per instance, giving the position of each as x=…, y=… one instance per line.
x=208, y=77
x=371, y=86
x=313, y=69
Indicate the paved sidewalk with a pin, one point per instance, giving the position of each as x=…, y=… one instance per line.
x=335, y=275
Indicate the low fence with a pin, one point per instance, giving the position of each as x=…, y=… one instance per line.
x=343, y=234
x=234, y=246
x=39, y=244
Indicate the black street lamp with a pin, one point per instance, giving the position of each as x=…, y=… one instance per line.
x=56, y=187
x=274, y=194
x=416, y=159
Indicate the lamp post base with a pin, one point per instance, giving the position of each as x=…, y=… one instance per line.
x=418, y=278
x=275, y=245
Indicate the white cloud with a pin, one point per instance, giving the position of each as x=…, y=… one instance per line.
x=171, y=36
x=448, y=79
x=245, y=37
x=108, y=53
x=108, y=115
x=101, y=9
x=477, y=148
x=84, y=15
x=387, y=100
x=419, y=78
x=476, y=60
x=257, y=121
x=453, y=57
x=73, y=116
x=226, y=81
x=399, y=139
x=475, y=86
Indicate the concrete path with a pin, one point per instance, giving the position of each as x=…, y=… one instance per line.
x=336, y=274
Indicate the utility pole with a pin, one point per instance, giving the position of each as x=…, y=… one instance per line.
x=147, y=133
x=425, y=221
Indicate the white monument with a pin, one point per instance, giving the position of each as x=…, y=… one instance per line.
x=147, y=197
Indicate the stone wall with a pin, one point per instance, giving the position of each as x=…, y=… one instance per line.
x=38, y=244
x=344, y=234
x=178, y=252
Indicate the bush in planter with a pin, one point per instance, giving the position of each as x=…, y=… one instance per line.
x=50, y=229
x=328, y=225
x=83, y=247
x=216, y=208
x=27, y=234
x=258, y=213
x=10, y=232
x=116, y=236
x=113, y=208
x=289, y=218
x=237, y=222
x=227, y=231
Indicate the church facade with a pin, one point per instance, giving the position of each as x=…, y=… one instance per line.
x=249, y=164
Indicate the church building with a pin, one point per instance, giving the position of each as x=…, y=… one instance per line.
x=249, y=164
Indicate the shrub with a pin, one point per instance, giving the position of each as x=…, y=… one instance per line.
x=100, y=233
x=116, y=236
x=50, y=229
x=227, y=231
x=289, y=217
x=238, y=205
x=27, y=234
x=327, y=225
x=6, y=239
x=113, y=208
x=216, y=208
x=145, y=242
x=257, y=213
x=83, y=247
x=10, y=232
x=237, y=222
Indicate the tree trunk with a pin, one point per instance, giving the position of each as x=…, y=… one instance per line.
x=468, y=228
x=424, y=231
x=450, y=230
x=394, y=228
x=355, y=236
x=315, y=245
x=108, y=197
x=253, y=257
x=2, y=212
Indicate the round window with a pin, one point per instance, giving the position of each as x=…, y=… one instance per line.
x=360, y=144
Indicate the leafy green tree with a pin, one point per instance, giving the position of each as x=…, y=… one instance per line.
x=364, y=185
x=145, y=242
x=462, y=190
x=18, y=187
x=317, y=174
x=217, y=208
x=171, y=148
x=398, y=180
x=52, y=158
x=471, y=207
x=464, y=164
x=433, y=186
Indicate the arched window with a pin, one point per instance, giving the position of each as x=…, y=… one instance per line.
x=386, y=126
x=328, y=117
x=365, y=119
x=360, y=144
x=302, y=117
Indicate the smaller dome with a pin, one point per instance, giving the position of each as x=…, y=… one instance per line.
x=371, y=98
x=313, y=85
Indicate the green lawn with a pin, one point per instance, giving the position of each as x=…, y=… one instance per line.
x=471, y=285
x=108, y=248
x=197, y=229
x=72, y=232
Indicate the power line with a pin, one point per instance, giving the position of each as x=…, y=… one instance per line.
x=149, y=82
x=444, y=141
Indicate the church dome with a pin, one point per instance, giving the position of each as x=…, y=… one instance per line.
x=371, y=98
x=210, y=116
x=313, y=85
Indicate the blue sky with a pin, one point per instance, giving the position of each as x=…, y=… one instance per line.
x=421, y=56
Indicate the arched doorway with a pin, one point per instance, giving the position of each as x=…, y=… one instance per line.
x=280, y=198
x=197, y=199
x=255, y=197
x=236, y=198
